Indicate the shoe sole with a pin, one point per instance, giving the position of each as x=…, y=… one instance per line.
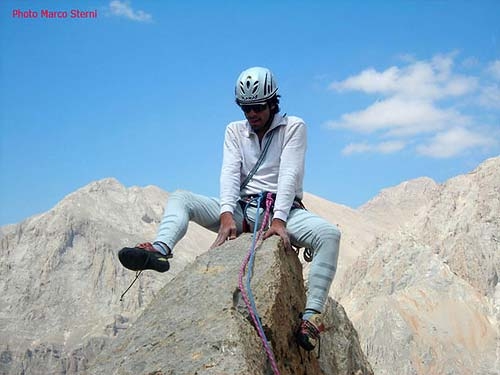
x=304, y=342
x=138, y=260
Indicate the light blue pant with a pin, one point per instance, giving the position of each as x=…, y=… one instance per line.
x=305, y=229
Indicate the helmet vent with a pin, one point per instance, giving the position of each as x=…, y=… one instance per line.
x=255, y=87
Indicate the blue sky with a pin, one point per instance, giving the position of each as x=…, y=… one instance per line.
x=390, y=91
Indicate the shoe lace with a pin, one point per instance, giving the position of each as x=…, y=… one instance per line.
x=309, y=329
x=137, y=274
x=146, y=246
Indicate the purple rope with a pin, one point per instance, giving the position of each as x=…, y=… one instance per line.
x=253, y=313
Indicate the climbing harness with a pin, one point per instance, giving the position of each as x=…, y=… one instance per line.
x=247, y=201
x=247, y=293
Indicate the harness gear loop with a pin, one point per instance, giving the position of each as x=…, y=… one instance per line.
x=308, y=255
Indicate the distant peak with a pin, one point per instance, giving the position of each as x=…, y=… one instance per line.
x=105, y=183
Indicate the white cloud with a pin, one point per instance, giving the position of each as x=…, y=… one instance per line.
x=490, y=97
x=421, y=79
x=470, y=62
x=453, y=142
x=424, y=103
x=124, y=9
x=399, y=116
x=356, y=148
x=388, y=147
x=370, y=81
x=494, y=69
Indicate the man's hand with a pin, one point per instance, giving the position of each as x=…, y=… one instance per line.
x=279, y=227
x=227, y=229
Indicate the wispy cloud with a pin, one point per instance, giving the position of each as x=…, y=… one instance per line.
x=423, y=98
x=399, y=116
x=422, y=79
x=384, y=147
x=453, y=142
x=124, y=9
x=490, y=93
x=494, y=69
x=490, y=97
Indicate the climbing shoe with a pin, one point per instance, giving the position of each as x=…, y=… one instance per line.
x=144, y=257
x=309, y=331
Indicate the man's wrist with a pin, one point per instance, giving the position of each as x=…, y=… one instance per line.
x=226, y=208
x=278, y=222
x=280, y=215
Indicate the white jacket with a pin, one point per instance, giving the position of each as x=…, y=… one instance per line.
x=282, y=171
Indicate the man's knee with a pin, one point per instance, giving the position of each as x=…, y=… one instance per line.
x=180, y=194
x=181, y=201
x=328, y=231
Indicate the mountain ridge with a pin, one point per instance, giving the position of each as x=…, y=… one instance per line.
x=64, y=260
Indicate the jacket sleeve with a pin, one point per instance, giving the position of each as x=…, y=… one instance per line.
x=291, y=172
x=231, y=171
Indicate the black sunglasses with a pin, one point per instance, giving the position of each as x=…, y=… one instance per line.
x=254, y=107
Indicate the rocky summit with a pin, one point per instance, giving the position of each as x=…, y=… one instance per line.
x=198, y=323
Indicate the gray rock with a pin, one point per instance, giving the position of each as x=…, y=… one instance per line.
x=425, y=296
x=196, y=323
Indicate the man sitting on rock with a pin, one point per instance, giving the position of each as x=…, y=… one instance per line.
x=264, y=153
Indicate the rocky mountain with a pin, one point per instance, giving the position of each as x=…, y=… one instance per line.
x=61, y=282
x=393, y=207
x=424, y=295
x=418, y=275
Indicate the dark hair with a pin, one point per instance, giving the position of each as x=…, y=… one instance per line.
x=275, y=100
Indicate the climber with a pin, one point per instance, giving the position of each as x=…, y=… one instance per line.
x=265, y=152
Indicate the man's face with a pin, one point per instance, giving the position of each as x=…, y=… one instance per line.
x=257, y=115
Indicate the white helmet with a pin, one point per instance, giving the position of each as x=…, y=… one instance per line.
x=255, y=85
